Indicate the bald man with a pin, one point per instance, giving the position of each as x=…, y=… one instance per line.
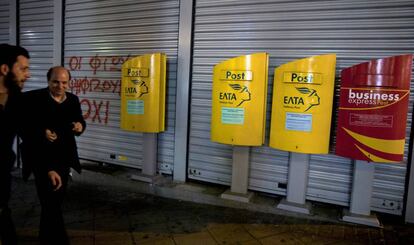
x=49, y=149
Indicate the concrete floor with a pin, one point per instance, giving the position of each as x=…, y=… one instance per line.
x=103, y=209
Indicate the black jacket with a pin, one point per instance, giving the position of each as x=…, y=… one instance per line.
x=42, y=112
x=8, y=129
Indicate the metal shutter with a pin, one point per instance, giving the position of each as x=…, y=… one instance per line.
x=99, y=36
x=36, y=35
x=356, y=31
x=4, y=21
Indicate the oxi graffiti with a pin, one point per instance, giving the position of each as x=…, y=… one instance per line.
x=95, y=110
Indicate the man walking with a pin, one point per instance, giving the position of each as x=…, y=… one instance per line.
x=49, y=148
x=14, y=71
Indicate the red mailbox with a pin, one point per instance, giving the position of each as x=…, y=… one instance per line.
x=373, y=110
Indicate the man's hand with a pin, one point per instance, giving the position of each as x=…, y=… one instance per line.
x=56, y=180
x=50, y=135
x=77, y=127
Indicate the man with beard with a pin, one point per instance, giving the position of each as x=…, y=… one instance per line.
x=14, y=71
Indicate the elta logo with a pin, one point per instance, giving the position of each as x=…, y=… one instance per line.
x=302, y=103
x=313, y=98
x=142, y=87
x=242, y=95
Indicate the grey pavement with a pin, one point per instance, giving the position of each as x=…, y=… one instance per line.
x=106, y=207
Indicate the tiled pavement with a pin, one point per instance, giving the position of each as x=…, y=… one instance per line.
x=99, y=212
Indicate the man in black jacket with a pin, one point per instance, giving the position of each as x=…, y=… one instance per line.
x=14, y=71
x=53, y=119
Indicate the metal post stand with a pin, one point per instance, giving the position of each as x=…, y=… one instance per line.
x=240, y=176
x=409, y=204
x=295, y=200
x=360, y=208
x=149, y=167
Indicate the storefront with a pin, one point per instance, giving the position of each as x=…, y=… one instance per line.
x=94, y=38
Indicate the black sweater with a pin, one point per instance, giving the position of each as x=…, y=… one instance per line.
x=43, y=112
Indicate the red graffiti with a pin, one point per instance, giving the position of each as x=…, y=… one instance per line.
x=88, y=106
x=115, y=63
x=98, y=63
x=85, y=85
x=95, y=63
x=94, y=110
x=75, y=63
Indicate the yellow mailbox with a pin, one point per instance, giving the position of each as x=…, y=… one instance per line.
x=239, y=100
x=302, y=105
x=143, y=93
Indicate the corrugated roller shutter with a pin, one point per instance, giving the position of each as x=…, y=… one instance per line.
x=356, y=31
x=36, y=35
x=4, y=21
x=99, y=37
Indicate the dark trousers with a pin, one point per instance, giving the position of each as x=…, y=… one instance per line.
x=7, y=229
x=52, y=229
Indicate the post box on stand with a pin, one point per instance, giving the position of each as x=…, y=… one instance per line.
x=371, y=126
x=302, y=105
x=239, y=114
x=239, y=100
x=143, y=93
x=143, y=90
x=373, y=110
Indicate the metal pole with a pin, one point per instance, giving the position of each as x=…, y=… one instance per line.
x=149, y=166
x=360, y=207
x=240, y=176
x=183, y=90
x=295, y=200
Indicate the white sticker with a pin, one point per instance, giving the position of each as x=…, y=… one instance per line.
x=298, y=122
x=231, y=115
x=135, y=107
